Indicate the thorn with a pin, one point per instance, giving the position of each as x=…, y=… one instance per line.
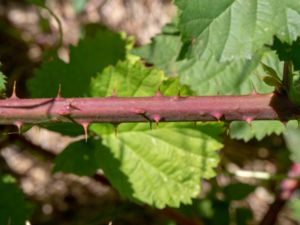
x=19, y=125
x=248, y=119
x=85, y=126
x=59, y=91
x=216, y=115
x=14, y=92
x=156, y=118
x=158, y=93
x=254, y=93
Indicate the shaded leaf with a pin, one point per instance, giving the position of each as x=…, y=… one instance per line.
x=238, y=191
x=14, y=209
x=90, y=56
x=80, y=158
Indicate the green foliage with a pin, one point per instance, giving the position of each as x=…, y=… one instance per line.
x=237, y=191
x=81, y=158
x=14, y=209
x=294, y=205
x=89, y=57
x=136, y=162
x=288, y=52
x=2, y=81
x=234, y=29
x=292, y=139
x=257, y=129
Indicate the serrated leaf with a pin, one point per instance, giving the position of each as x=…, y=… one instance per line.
x=89, y=57
x=159, y=167
x=288, y=52
x=259, y=129
x=235, y=29
x=210, y=77
x=14, y=209
x=127, y=79
x=292, y=139
x=163, y=51
x=162, y=166
x=81, y=158
x=294, y=89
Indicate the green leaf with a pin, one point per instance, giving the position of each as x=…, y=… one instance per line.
x=238, y=191
x=288, y=52
x=294, y=89
x=127, y=79
x=292, y=139
x=14, y=209
x=258, y=129
x=159, y=167
x=89, y=57
x=162, y=166
x=81, y=158
x=238, y=77
x=164, y=49
x=235, y=29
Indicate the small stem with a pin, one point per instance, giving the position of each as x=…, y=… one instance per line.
x=60, y=30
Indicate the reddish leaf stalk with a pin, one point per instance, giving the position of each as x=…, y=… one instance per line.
x=147, y=109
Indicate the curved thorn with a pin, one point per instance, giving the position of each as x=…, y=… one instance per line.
x=249, y=120
x=19, y=125
x=216, y=115
x=158, y=93
x=85, y=126
x=156, y=118
x=59, y=91
x=14, y=92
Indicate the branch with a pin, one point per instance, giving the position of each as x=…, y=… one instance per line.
x=147, y=109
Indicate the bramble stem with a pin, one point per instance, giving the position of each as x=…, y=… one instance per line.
x=142, y=109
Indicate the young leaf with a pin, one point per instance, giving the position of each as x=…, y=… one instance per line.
x=14, y=209
x=90, y=56
x=258, y=129
x=162, y=166
x=234, y=29
x=2, y=81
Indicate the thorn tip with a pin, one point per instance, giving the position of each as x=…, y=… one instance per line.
x=85, y=126
x=19, y=125
x=217, y=115
x=14, y=92
x=59, y=91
